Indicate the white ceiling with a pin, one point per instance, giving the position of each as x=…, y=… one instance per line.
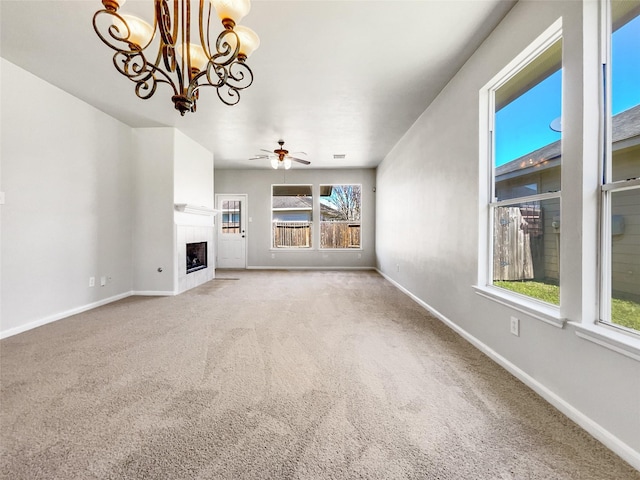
x=330, y=77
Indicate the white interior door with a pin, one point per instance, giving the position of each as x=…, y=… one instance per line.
x=232, y=226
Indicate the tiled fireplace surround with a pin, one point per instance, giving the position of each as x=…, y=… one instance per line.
x=192, y=228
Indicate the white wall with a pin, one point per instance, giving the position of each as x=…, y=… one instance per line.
x=193, y=185
x=153, y=236
x=193, y=172
x=257, y=185
x=67, y=216
x=87, y=196
x=435, y=170
x=169, y=168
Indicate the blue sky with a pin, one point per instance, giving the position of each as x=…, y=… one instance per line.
x=523, y=125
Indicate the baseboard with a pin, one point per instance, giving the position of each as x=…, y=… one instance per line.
x=609, y=440
x=154, y=293
x=255, y=267
x=61, y=315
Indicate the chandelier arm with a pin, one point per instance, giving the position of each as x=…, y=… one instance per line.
x=165, y=25
x=231, y=95
x=226, y=54
x=204, y=42
x=168, y=28
x=144, y=74
x=240, y=75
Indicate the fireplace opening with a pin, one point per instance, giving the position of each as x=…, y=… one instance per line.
x=196, y=256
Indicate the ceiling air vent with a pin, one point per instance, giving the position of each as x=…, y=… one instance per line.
x=339, y=156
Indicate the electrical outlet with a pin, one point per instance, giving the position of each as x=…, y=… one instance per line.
x=103, y=281
x=397, y=267
x=92, y=281
x=515, y=326
x=273, y=255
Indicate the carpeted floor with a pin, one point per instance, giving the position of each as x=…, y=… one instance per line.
x=276, y=375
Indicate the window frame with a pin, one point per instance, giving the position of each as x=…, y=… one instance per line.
x=535, y=308
x=273, y=247
x=608, y=187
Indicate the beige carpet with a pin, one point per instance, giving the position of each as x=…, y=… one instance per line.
x=276, y=375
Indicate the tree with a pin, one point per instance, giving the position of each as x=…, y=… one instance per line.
x=344, y=202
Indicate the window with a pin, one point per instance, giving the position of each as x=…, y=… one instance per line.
x=340, y=216
x=292, y=216
x=230, y=216
x=620, y=292
x=525, y=106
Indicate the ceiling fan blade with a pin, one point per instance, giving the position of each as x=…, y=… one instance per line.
x=299, y=153
x=299, y=160
x=268, y=151
x=260, y=157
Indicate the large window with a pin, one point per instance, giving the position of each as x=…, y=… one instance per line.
x=291, y=216
x=620, y=299
x=526, y=157
x=340, y=216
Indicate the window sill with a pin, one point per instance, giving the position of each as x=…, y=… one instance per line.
x=533, y=308
x=625, y=344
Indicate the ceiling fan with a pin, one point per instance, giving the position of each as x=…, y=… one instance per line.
x=280, y=156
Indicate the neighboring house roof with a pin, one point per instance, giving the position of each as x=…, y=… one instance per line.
x=292, y=203
x=626, y=125
x=301, y=203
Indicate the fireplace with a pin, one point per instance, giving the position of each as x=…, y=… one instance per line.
x=196, y=256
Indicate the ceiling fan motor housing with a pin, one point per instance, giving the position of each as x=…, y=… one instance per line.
x=280, y=151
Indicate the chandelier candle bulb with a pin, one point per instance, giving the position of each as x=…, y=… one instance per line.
x=140, y=32
x=249, y=41
x=234, y=10
x=199, y=58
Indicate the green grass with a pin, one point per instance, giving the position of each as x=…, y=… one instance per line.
x=623, y=312
x=542, y=291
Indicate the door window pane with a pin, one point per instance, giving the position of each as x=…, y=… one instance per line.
x=230, y=216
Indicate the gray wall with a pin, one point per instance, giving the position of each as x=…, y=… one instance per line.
x=257, y=185
x=67, y=217
x=435, y=169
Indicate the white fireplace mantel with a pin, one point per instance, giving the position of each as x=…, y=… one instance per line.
x=195, y=209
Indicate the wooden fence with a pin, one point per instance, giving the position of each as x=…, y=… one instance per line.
x=292, y=234
x=512, y=244
x=335, y=234
x=339, y=234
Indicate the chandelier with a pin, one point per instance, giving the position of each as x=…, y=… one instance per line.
x=177, y=50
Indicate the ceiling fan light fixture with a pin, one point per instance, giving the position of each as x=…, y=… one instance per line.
x=274, y=163
x=287, y=163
